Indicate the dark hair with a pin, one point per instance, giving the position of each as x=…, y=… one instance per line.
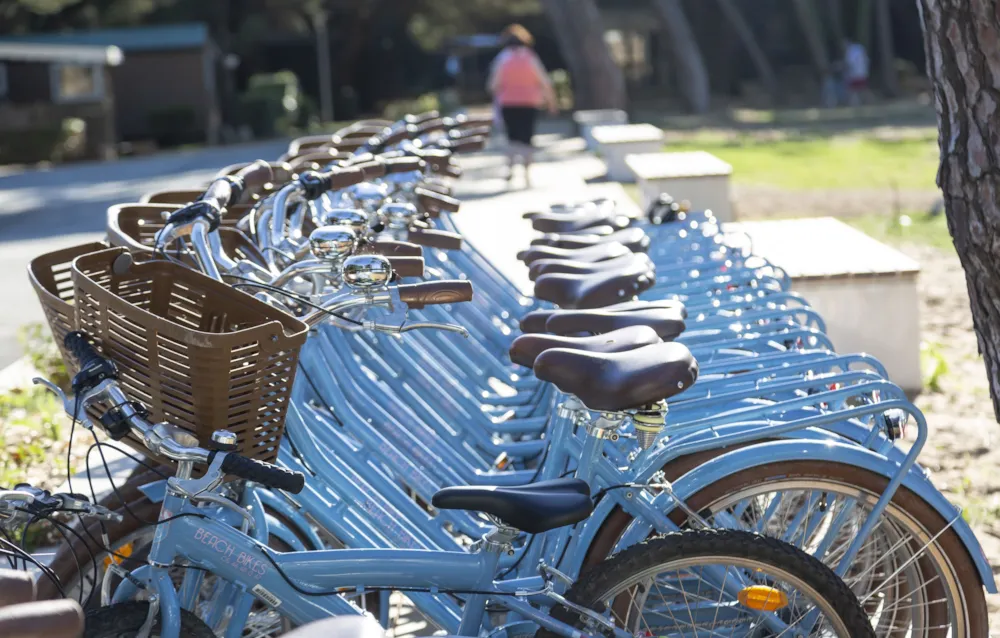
x=516, y=35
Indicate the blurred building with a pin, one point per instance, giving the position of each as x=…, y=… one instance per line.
x=164, y=89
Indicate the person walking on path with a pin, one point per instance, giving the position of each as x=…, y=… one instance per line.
x=855, y=72
x=520, y=87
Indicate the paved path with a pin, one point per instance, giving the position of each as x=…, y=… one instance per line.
x=44, y=210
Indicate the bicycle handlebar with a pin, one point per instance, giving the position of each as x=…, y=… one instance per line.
x=407, y=266
x=420, y=118
x=263, y=473
x=435, y=292
x=436, y=202
x=226, y=191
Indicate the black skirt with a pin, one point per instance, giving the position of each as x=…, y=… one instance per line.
x=519, y=122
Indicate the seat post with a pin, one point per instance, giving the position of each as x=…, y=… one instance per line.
x=605, y=427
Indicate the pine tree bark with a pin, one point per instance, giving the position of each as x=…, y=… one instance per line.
x=757, y=55
x=962, y=42
x=691, y=71
x=598, y=83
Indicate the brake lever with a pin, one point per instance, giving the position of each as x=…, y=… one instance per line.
x=421, y=325
x=75, y=407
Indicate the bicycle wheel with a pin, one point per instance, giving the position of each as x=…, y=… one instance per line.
x=913, y=574
x=716, y=583
x=126, y=619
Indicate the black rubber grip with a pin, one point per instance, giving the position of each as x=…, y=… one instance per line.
x=80, y=346
x=263, y=473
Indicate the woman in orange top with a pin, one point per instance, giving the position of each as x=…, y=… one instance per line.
x=520, y=86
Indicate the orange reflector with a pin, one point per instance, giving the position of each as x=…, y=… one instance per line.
x=122, y=552
x=762, y=598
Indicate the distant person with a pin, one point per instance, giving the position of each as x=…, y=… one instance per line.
x=855, y=72
x=520, y=87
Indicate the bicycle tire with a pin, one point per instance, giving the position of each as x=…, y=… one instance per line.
x=125, y=619
x=958, y=562
x=595, y=583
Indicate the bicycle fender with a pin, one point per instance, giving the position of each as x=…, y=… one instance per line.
x=294, y=517
x=805, y=450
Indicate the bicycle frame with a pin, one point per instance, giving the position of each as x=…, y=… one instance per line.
x=254, y=568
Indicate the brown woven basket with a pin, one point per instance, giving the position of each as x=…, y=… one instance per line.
x=198, y=353
x=134, y=226
x=51, y=277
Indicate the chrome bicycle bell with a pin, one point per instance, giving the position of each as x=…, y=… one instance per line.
x=369, y=196
x=364, y=272
x=398, y=214
x=331, y=243
x=354, y=219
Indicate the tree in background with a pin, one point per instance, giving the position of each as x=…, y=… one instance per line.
x=598, y=83
x=962, y=40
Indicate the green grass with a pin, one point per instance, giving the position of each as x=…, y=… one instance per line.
x=916, y=227
x=824, y=162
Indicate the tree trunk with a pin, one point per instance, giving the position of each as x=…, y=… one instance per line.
x=962, y=41
x=886, y=48
x=836, y=12
x=691, y=71
x=323, y=66
x=814, y=35
x=598, y=83
x=757, y=54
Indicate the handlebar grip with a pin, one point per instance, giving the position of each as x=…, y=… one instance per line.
x=403, y=165
x=474, y=120
x=419, y=118
x=407, y=266
x=219, y=192
x=393, y=248
x=372, y=169
x=430, y=126
x=437, y=158
x=16, y=587
x=80, y=346
x=464, y=132
x=435, y=292
x=254, y=177
x=391, y=137
x=263, y=473
x=468, y=144
x=433, y=238
x=433, y=187
x=48, y=618
x=436, y=202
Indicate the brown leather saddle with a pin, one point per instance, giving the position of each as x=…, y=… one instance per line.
x=534, y=321
x=568, y=266
x=568, y=290
x=597, y=252
x=526, y=348
x=635, y=239
x=617, y=381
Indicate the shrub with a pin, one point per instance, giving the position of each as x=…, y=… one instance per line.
x=563, y=89
x=271, y=104
x=396, y=109
x=174, y=125
x=53, y=143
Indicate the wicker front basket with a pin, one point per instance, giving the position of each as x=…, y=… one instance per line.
x=198, y=353
x=135, y=226
x=50, y=276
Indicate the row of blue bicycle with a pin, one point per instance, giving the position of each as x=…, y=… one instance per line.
x=660, y=441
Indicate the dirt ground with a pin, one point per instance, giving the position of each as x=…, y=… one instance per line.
x=961, y=450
